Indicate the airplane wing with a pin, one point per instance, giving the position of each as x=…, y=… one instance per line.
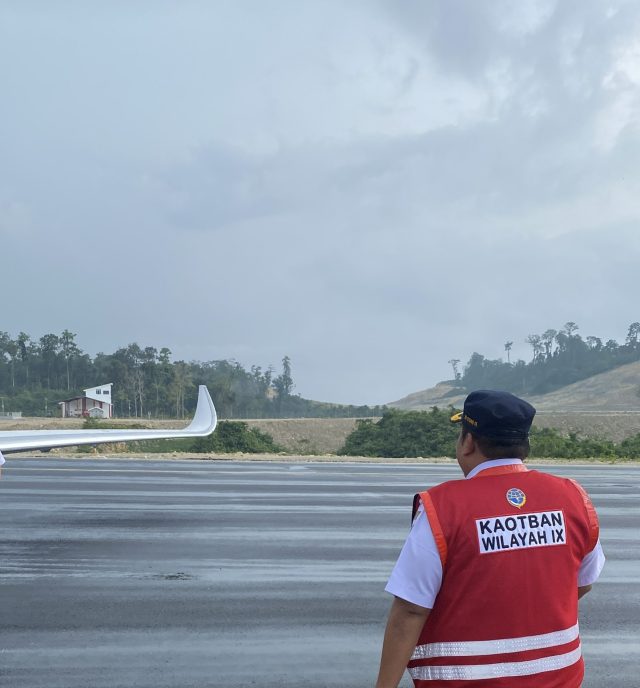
x=203, y=424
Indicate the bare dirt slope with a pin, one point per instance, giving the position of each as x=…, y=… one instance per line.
x=616, y=390
x=442, y=395
x=307, y=435
x=611, y=426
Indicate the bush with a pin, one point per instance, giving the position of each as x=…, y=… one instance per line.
x=234, y=436
x=629, y=448
x=431, y=434
x=404, y=434
x=549, y=443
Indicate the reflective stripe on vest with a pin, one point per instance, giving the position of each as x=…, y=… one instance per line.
x=477, y=672
x=496, y=647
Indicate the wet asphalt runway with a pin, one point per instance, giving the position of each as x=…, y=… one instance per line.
x=192, y=573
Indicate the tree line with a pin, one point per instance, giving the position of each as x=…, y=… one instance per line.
x=428, y=434
x=36, y=373
x=559, y=358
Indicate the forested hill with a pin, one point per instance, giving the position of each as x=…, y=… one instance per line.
x=35, y=374
x=565, y=372
x=617, y=390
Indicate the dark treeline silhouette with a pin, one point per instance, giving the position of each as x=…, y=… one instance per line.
x=35, y=374
x=560, y=357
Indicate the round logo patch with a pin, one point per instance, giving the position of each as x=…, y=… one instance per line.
x=516, y=497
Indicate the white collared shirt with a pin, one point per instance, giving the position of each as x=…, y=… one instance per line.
x=417, y=575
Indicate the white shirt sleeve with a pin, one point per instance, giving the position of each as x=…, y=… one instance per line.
x=1, y=459
x=417, y=575
x=591, y=566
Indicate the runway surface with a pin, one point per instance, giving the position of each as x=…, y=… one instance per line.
x=158, y=574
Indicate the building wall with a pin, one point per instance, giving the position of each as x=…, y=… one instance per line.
x=82, y=406
x=101, y=392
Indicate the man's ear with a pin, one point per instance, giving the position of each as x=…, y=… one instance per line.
x=468, y=444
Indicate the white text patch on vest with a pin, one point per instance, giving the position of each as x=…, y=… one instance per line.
x=500, y=533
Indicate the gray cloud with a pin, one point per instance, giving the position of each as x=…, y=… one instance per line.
x=372, y=189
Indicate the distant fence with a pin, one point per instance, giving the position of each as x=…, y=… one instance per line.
x=10, y=415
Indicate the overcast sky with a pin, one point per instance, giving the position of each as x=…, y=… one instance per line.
x=370, y=187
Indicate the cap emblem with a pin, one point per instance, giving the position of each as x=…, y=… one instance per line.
x=516, y=497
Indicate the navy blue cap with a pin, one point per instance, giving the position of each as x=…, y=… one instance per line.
x=496, y=415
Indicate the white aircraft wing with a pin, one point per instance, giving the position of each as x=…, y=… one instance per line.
x=203, y=424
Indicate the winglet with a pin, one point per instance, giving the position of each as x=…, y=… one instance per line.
x=205, y=418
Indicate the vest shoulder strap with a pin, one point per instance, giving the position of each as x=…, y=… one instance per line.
x=592, y=516
x=424, y=498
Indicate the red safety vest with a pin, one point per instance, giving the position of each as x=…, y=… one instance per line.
x=511, y=542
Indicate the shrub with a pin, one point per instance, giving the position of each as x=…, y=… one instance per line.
x=431, y=434
x=404, y=434
x=549, y=443
x=235, y=436
x=629, y=448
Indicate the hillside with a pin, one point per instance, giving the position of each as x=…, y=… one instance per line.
x=605, y=405
x=442, y=395
x=616, y=390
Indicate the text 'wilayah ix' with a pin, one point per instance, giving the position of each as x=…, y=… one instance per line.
x=545, y=528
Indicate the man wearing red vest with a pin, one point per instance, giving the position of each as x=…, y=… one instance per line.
x=487, y=584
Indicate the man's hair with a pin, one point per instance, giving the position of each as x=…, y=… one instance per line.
x=499, y=449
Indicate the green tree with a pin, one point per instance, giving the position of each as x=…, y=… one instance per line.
x=283, y=384
x=535, y=341
x=25, y=348
x=49, y=348
x=10, y=349
x=181, y=384
x=570, y=328
x=69, y=350
x=547, y=339
x=594, y=343
x=632, y=335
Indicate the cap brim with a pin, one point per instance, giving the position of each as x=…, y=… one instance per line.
x=456, y=417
